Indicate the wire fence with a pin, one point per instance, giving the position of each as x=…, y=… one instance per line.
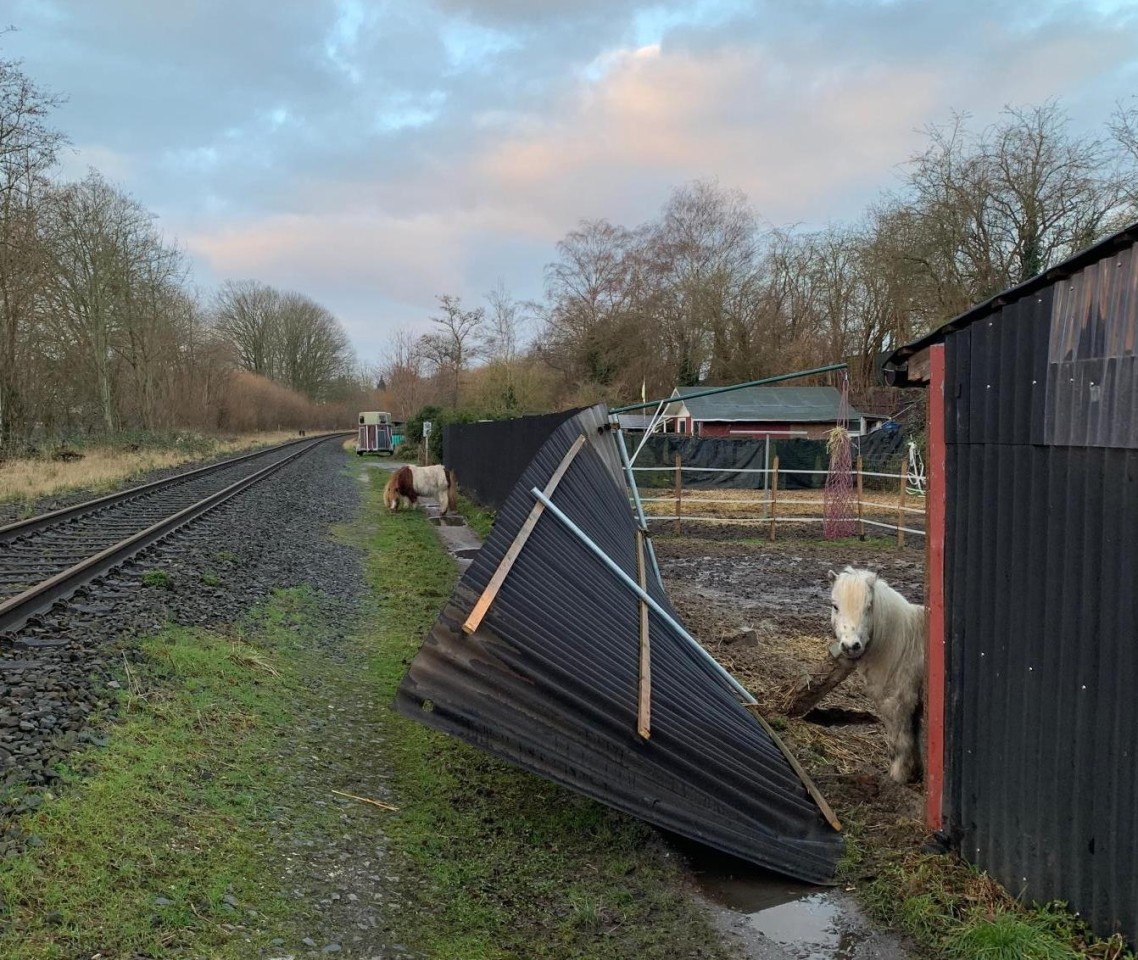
x=693, y=500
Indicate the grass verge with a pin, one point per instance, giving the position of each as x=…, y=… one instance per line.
x=953, y=910
x=161, y=843
x=191, y=832
x=478, y=518
x=514, y=866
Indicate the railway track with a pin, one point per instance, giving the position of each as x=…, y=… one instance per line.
x=46, y=558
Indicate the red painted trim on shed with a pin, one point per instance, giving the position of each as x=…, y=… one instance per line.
x=934, y=564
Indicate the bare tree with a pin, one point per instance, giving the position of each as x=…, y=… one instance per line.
x=701, y=262
x=591, y=293
x=1124, y=129
x=502, y=339
x=28, y=147
x=1002, y=205
x=245, y=313
x=312, y=346
x=401, y=368
x=454, y=343
x=102, y=243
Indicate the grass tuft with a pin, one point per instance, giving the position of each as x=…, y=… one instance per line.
x=159, y=579
x=1007, y=936
x=478, y=518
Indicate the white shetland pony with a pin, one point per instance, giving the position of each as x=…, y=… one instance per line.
x=885, y=634
x=408, y=483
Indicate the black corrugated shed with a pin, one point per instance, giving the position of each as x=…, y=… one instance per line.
x=549, y=680
x=1041, y=583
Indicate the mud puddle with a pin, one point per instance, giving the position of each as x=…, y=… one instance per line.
x=771, y=918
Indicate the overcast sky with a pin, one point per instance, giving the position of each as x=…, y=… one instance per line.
x=375, y=154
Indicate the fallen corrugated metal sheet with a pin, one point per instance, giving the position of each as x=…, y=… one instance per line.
x=549, y=679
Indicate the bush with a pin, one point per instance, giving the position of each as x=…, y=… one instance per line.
x=440, y=417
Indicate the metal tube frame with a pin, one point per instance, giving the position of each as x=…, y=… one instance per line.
x=736, y=386
x=632, y=585
x=639, y=505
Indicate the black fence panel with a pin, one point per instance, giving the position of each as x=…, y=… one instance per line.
x=488, y=457
x=549, y=680
x=727, y=461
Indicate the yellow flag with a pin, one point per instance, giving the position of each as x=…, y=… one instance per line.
x=643, y=394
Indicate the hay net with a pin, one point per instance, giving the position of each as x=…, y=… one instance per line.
x=839, y=498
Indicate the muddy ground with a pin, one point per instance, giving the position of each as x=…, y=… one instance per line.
x=721, y=586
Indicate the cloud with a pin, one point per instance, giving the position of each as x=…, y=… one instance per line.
x=375, y=154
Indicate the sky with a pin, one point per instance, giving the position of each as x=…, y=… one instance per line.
x=374, y=155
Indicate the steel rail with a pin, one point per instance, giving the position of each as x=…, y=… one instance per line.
x=16, y=611
x=22, y=528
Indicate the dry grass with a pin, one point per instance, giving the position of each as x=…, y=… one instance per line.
x=102, y=469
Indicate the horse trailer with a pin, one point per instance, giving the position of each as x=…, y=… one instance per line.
x=375, y=434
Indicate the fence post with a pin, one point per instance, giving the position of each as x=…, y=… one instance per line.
x=901, y=503
x=679, y=495
x=860, y=514
x=774, y=493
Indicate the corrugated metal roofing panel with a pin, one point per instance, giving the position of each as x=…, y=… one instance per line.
x=1041, y=619
x=1092, y=394
x=549, y=680
x=897, y=364
x=781, y=404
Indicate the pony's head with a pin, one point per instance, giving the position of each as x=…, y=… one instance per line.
x=391, y=492
x=400, y=486
x=851, y=613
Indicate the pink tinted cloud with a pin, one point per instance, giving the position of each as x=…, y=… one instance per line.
x=403, y=257
x=679, y=116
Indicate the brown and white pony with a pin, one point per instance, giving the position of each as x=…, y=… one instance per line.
x=409, y=483
x=885, y=634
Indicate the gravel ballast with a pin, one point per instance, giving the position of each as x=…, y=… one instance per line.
x=70, y=665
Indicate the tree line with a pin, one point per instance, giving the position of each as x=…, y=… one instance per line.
x=101, y=329
x=707, y=292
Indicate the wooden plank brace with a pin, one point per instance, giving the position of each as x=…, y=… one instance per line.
x=644, y=696
x=478, y=613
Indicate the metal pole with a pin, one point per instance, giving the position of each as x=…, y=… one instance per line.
x=767, y=475
x=639, y=506
x=643, y=595
x=736, y=386
x=648, y=431
x=631, y=478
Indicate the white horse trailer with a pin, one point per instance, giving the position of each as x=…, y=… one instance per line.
x=374, y=434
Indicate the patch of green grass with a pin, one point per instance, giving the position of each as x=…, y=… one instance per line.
x=955, y=911
x=162, y=838
x=227, y=556
x=211, y=579
x=514, y=865
x=1007, y=936
x=478, y=518
x=159, y=579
